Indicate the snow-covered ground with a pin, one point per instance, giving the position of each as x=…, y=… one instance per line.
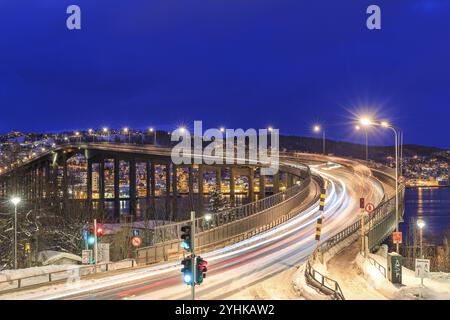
x=359, y=279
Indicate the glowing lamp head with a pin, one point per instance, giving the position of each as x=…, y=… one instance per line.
x=105, y=129
x=151, y=129
x=316, y=128
x=125, y=130
x=90, y=130
x=270, y=129
x=420, y=223
x=365, y=121
x=222, y=129
x=182, y=129
x=208, y=217
x=15, y=200
x=77, y=133
x=357, y=127
x=385, y=124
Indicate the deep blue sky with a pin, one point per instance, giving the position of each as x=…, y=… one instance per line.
x=237, y=63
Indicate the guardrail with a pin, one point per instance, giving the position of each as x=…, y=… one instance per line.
x=380, y=268
x=74, y=273
x=323, y=283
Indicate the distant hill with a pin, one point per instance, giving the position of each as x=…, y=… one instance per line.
x=347, y=149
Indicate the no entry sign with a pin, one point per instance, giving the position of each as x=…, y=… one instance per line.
x=136, y=241
x=370, y=207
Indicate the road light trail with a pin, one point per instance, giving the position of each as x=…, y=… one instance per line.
x=242, y=264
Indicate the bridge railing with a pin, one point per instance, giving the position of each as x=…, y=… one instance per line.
x=234, y=225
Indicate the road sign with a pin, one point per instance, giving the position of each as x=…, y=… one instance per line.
x=370, y=207
x=103, y=252
x=397, y=237
x=136, y=232
x=422, y=268
x=136, y=241
x=86, y=256
x=361, y=203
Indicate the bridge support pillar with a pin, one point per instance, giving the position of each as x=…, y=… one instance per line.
x=132, y=179
x=64, y=182
x=251, y=185
x=276, y=183
x=232, y=187
x=168, y=211
x=191, y=188
x=153, y=188
x=116, y=189
x=262, y=185
x=174, y=192
x=101, y=182
x=200, y=187
x=89, y=183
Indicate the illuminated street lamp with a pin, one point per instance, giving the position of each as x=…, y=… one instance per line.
x=222, y=129
x=15, y=201
x=106, y=131
x=421, y=225
x=152, y=130
x=90, y=131
x=269, y=128
x=78, y=135
x=127, y=131
x=357, y=127
x=318, y=129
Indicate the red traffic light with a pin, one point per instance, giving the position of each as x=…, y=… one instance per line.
x=99, y=230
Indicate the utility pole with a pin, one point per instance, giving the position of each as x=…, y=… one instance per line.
x=194, y=265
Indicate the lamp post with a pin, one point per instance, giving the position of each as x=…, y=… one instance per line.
x=127, y=131
x=90, y=133
x=421, y=225
x=318, y=129
x=368, y=122
x=106, y=131
x=152, y=130
x=15, y=201
x=367, y=141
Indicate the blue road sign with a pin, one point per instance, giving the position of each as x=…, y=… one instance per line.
x=136, y=232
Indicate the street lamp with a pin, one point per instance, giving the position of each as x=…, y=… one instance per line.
x=90, y=131
x=421, y=225
x=368, y=122
x=317, y=129
x=77, y=134
x=357, y=127
x=127, y=131
x=106, y=131
x=152, y=130
x=15, y=201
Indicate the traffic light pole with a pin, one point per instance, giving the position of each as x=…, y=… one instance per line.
x=95, y=244
x=193, y=265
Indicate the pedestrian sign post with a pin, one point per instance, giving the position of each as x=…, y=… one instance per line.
x=136, y=232
x=422, y=270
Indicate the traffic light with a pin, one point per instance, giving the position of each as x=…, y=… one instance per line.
x=187, y=271
x=201, y=270
x=186, y=244
x=99, y=230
